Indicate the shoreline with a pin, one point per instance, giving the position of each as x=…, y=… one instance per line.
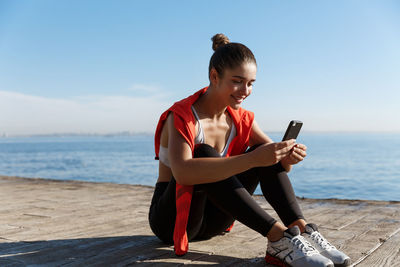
x=337, y=200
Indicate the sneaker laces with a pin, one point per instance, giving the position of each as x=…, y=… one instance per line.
x=303, y=245
x=321, y=241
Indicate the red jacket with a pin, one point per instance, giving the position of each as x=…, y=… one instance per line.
x=184, y=122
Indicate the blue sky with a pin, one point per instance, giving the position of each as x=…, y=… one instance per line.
x=110, y=66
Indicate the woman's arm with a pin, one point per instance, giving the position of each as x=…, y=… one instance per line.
x=189, y=171
x=257, y=136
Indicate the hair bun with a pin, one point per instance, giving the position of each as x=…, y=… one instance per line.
x=219, y=40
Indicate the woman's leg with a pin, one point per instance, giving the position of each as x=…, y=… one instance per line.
x=278, y=191
x=163, y=211
x=215, y=206
x=228, y=200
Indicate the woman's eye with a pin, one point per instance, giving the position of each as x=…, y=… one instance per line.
x=235, y=81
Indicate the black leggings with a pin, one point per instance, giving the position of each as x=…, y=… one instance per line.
x=215, y=206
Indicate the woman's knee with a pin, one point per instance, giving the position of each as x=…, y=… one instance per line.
x=204, y=150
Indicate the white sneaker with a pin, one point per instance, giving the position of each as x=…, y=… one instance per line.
x=324, y=247
x=295, y=251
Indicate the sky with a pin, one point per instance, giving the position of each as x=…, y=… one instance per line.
x=112, y=66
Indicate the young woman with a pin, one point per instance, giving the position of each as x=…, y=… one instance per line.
x=207, y=174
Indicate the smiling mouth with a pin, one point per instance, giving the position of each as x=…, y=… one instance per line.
x=238, y=99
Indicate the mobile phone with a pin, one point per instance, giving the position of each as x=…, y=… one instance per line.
x=292, y=130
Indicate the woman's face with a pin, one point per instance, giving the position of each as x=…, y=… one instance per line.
x=236, y=84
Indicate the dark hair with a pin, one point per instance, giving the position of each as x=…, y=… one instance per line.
x=228, y=55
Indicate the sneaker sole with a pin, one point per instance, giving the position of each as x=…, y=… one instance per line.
x=346, y=263
x=275, y=261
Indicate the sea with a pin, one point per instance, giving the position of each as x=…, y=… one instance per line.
x=338, y=165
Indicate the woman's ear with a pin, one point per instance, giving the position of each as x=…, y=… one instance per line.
x=214, y=77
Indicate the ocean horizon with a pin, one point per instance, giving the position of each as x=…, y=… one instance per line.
x=145, y=133
x=343, y=165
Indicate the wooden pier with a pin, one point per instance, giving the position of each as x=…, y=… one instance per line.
x=72, y=223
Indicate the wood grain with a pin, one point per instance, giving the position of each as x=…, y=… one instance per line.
x=73, y=223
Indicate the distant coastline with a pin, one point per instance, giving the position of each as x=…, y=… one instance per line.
x=132, y=133
x=115, y=134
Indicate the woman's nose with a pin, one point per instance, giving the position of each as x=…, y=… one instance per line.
x=246, y=89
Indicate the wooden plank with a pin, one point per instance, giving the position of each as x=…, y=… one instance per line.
x=386, y=253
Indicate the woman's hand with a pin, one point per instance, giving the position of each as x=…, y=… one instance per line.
x=297, y=154
x=271, y=153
